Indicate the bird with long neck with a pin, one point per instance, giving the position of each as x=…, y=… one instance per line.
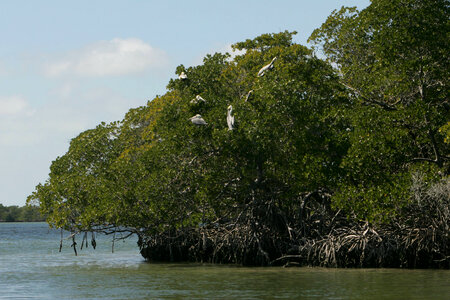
x=198, y=99
x=268, y=67
x=247, y=97
x=230, y=118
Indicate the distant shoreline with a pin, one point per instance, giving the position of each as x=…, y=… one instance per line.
x=1, y=221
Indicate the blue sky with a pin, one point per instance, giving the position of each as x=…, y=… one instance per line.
x=66, y=66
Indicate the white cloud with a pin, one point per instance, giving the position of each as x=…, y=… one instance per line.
x=40, y=116
x=12, y=105
x=109, y=58
x=73, y=110
x=64, y=91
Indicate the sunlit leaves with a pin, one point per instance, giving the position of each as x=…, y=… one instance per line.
x=352, y=130
x=393, y=59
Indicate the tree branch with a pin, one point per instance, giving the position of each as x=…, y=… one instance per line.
x=371, y=101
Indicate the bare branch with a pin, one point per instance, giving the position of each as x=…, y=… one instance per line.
x=371, y=101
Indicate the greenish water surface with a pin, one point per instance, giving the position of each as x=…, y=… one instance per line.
x=32, y=268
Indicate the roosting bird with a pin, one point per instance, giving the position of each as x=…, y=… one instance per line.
x=268, y=67
x=197, y=99
x=230, y=118
x=198, y=120
x=182, y=76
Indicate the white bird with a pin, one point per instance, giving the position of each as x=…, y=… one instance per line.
x=182, y=76
x=198, y=120
x=248, y=95
x=230, y=118
x=197, y=99
x=268, y=67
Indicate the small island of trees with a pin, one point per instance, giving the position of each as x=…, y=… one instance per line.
x=338, y=155
x=15, y=213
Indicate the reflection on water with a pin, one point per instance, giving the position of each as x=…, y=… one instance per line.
x=32, y=268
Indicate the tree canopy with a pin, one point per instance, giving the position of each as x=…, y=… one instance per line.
x=313, y=141
x=393, y=58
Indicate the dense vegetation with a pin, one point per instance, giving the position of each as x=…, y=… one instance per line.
x=20, y=214
x=335, y=162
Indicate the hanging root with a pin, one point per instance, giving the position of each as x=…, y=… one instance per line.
x=61, y=242
x=93, y=242
x=84, y=241
x=74, y=244
x=315, y=235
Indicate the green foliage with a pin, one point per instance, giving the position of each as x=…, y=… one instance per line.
x=20, y=214
x=445, y=131
x=156, y=169
x=393, y=58
x=348, y=133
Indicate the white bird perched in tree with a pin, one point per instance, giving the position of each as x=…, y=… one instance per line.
x=198, y=120
x=182, y=76
x=248, y=95
x=268, y=67
x=230, y=118
x=197, y=99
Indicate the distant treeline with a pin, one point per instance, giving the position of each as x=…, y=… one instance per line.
x=20, y=214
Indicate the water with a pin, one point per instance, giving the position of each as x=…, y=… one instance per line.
x=32, y=268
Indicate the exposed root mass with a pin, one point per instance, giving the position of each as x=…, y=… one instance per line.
x=316, y=235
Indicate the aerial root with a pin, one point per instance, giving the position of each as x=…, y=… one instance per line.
x=324, y=238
